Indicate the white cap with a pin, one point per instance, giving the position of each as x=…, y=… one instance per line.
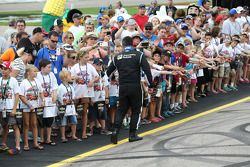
x=239, y=9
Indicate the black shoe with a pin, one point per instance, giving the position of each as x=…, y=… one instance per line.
x=114, y=137
x=133, y=138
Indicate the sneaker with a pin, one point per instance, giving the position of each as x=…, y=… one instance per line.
x=145, y=122
x=227, y=89
x=170, y=113
x=105, y=132
x=165, y=114
x=232, y=88
x=14, y=151
x=178, y=107
x=3, y=148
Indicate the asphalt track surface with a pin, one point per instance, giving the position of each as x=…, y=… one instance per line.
x=62, y=151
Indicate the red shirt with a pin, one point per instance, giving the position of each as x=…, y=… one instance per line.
x=181, y=61
x=141, y=20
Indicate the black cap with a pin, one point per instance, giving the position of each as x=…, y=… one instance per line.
x=167, y=53
x=97, y=61
x=142, y=6
x=148, y=24
x=58, y=22
x=76, y=15
x=37, y=30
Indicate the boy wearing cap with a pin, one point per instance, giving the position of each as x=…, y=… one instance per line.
x=231, y=26
x=58, y=27
x=8, y=105
x=76, y=27
x=100, y=99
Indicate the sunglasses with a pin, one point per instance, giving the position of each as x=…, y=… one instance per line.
x=70, y=37
x=73, y=57
x=148, y=28
x=54, y=41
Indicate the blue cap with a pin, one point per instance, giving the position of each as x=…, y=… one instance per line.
x=184, y=26
x=97, y=61
x=179, y=21
x=120, y=19
x=233, y=11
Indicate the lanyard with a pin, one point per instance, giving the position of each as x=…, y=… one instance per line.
x=4, y=89
x=69, y=92
x=35, y=91
x=86, y=78
x=47, y=88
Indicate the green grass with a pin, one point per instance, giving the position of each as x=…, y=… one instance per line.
x=92, y=10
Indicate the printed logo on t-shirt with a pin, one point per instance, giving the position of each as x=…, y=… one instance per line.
x=6, y=94
x=32, y=93
x=83, y=78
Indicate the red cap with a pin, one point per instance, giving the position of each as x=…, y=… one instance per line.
x=219, y=19
x=44, y=32
x=5, y=64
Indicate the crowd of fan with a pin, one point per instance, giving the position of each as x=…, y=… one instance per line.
x=57, y=78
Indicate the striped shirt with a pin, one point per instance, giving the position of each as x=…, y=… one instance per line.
x=19, y=65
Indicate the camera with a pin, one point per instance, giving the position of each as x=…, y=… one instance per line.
x=145, y=44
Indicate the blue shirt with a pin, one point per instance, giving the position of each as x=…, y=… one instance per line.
x=151, y=39
x=56, y=62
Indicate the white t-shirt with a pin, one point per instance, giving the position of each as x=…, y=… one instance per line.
x=231, y=28
x=114, y=86
x=243, y=20
x=75, y=30
x=126, y=33
x=210, y=51
x=99, y=89
x=49, y=84
x=227, y=52
x=65, y=93
x=215, y=41
x=31, y=90
x=84, y=74
x=9, y=88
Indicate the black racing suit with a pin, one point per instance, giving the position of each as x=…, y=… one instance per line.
x=129, y=65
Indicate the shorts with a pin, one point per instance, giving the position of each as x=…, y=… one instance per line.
x=98, y=111
x=70, y=118
x=227, y=72
x=113, y=101
x=221, y=72
x=175, y=88
x=201, y=80
x=8, y=120
x=233, y=65
x=82, y=105
x=47, y=122
x=193, y=81
x=208, y=75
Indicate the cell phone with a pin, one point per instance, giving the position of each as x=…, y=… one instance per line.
x=145, y=44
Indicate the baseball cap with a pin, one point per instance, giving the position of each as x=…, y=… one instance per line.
x=179, y=21
x=142, y=6
x=131, y=22
x=76, y=15
x=120, y=19
x=136, y=35
x=97, y=61
x=233, y=11
x=39, y=30
x=184, y=26
x=239, y=9
x=148, y=24
x=189, y=17
x=58, y=22
x=6, y=64
x=91, y=35
x=68, y=47
x=89, y=21
x=154, y=2
x=180, y=43
x=236, y=39
x=168, y=42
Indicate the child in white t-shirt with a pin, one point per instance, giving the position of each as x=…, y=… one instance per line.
x=85, y=76
x=8, y=105
x=31, y=95
x=49, y=85
x=66, y=107
x=100, y=100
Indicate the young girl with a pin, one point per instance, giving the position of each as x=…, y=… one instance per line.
x=49, y=85
x=85, y=76
x=31, y=95
x=66, y=96
x=8, y=104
